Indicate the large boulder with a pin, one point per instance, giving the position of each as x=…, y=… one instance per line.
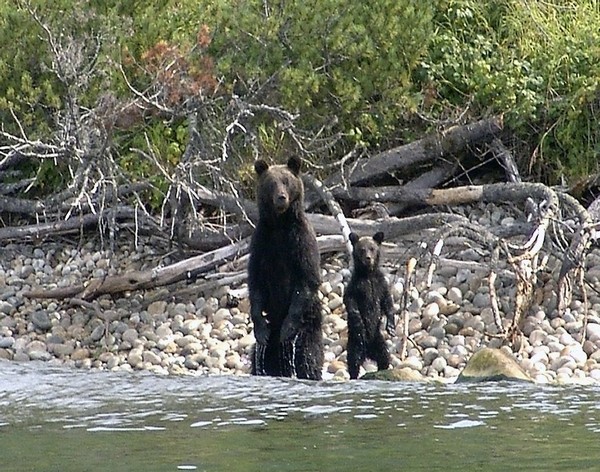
x=492, y=365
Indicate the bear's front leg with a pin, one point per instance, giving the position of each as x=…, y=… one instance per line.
x=262, y=331
x=299, y=306
x=357, y=342
x=390, y=324
x=387, y=307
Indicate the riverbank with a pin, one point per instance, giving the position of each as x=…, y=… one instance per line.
x=174, y=331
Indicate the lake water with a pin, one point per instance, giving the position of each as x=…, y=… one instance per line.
x=59, y=419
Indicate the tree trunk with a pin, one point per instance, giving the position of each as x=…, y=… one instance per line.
x=423, y=150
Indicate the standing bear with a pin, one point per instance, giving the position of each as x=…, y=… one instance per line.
x=284, y=276
x=367, y=299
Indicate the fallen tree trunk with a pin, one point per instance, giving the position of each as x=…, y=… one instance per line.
x=188, y=269
x=430, y=179
x=72, y=225
x=453, y=196
x=430, y=148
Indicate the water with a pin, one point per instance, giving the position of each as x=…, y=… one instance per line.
x=59, y=419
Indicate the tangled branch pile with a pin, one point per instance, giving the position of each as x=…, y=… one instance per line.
x=202, y=199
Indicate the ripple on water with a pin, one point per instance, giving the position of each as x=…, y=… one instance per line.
x=460, y=424
x=51, y=396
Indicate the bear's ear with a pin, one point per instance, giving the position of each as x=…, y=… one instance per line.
x=260, y=166
x=294, y=164
x=353, y=238
x=378, y=237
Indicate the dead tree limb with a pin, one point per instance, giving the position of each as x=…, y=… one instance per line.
x=430, y=179
x=188, y=269
x=489, y=193
x=74, y=224
x=334, y=209
x=573, y=264
x=506, y=159
x=427, y=149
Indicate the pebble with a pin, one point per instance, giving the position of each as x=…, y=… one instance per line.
x=210, y=334
x=41, y=320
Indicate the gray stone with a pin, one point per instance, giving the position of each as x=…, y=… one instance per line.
x=163, y=331
x=62, y=350
x=135, y=358
x=39, y=355
x=157, y=308
x=481, y=300
x=431, y=310
x=427, y=341
x=189, y=326
x=130, y=336
x=438, y=331
x=151, y=357
x=439, y=364
x=55, y=338
x=35, y=346
x=26, y=271
x=21, y=356
x=7, y=342
x=593, y=331
x=41, y=320
x=97, y=333
x=429, y=355
x=6, y=308
x=220, y=315
x=191, y=364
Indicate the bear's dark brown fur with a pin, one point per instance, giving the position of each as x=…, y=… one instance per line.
x=284, y=278
x=367, y=299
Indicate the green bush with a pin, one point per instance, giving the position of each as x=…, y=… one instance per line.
x=365, y=72
x=536, y=62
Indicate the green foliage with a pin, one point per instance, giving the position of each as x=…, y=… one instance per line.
x=330, y=60
x=46, y=72
x=358, y=69
x=536, y=62
x=167, y=144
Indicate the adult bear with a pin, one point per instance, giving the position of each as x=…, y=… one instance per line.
x=283, y=278
x=367, y=299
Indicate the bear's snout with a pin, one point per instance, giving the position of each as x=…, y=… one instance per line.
x=281, y=202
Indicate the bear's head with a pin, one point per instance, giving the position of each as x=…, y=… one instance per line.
x=279, y=187
x=365, y=251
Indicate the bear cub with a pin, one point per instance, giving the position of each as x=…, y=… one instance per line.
x=367, y=299
x=284, y=275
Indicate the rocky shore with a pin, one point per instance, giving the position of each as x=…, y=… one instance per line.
x=212, y=334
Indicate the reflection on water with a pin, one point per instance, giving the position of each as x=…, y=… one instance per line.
x=53, y=418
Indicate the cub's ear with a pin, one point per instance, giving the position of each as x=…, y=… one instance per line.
x=294, y=164
x=353, y=238
x=260, y=166
x=378, y=237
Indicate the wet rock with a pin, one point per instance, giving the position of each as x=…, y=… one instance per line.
x=404, y=374
x=492, y=365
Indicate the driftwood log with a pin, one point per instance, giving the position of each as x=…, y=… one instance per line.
x=434, y=225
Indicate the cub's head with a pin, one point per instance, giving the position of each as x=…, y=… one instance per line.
x=366, y=250
x=279, y=186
